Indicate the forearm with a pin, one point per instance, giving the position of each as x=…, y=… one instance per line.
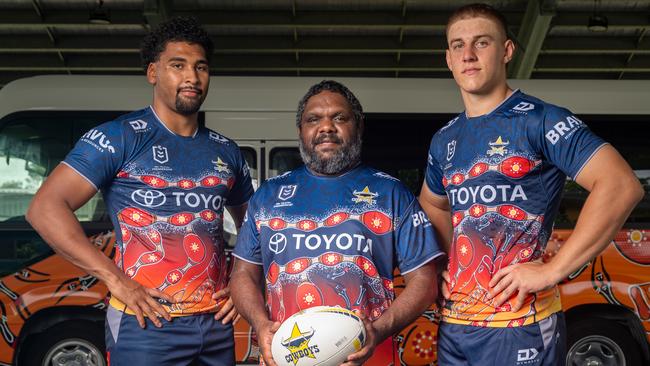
x=419, y=293
x=602, y=216
x=58, y=226
x=247, y=295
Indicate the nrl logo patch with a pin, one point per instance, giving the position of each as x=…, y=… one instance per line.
x=365, y=196
x=286, y=192
x=498, y=147
x=160, y=154
x=451, y=149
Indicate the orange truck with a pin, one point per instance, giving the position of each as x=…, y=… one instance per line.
x=52, y=313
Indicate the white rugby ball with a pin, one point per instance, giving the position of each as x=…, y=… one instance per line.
x=318, y=336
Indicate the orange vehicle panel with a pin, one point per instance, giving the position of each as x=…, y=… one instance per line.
x=620, y=276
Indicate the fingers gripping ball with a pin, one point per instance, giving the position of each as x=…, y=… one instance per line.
x=318, y=336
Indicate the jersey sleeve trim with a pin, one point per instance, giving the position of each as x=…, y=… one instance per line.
x=247, y=260
x=83, y=176
x=435, y=193
x=436, y=255
x=589, y=159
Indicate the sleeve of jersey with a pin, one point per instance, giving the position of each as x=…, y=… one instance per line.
x=99, y=154
x=567, y=142
x=242, y=190
x=434, y=173
x=247, y=247
x=416, y=242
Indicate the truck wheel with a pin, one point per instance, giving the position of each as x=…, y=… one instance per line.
x=601, y=342
x=69, y=343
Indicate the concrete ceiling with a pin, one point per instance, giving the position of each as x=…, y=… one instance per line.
x=384, y=38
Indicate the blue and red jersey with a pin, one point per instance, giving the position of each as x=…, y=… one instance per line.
x=503, y=174
x=334, y=240
x=165, y=194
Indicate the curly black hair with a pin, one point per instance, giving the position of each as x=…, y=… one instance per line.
x=334, y=87
x=177, y=29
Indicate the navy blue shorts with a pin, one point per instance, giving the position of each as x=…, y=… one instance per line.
x=186, y=340
x=541, y=343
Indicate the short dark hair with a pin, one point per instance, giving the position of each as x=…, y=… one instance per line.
x=334, y=87
x=177, y=29
x=477, y=10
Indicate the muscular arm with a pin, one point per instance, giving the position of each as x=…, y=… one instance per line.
x=439, y=212
x=238, y=213
x=247, y=283
x=51, y=213
x=614, y=191
x=419, y=293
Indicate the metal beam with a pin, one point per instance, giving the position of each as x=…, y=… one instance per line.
x=156, y=11
x=531, y=36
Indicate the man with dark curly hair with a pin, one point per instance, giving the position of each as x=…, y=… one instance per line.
x=165, y=181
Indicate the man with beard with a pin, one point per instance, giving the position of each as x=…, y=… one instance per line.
x=165, y=181
x=330, y=233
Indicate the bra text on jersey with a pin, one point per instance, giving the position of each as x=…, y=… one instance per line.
x=563, y=129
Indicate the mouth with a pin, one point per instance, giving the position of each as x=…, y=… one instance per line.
x=471, y=71
x=190, y=92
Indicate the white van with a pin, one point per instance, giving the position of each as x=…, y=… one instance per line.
x=50, y=311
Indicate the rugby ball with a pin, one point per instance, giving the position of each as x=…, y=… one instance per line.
x=318, y=336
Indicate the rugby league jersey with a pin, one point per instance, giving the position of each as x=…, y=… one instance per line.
x=334, y=240
x=165, y=194
x=503, y=174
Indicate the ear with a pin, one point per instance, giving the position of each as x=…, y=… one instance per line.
x=510, y=51
x=448, y=58
x=151, y=73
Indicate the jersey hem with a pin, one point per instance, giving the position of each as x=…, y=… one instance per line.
x=247, y=260
x=439, y=254
x=589, y=159
x=78, y=172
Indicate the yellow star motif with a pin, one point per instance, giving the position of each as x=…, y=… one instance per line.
x=515, y=167
x=376, y=222
x=456, y=179
x=331, y=258
x=135, y=216
x=194, y=247
x=185, y=184
x=463, y=250
x=153, y=235
x=298, y=343
x=173, y=277
x=208, y=215
x=154, y=181
x=306, y=225
x=512, y=212
x=210, y=180
x=477, y=169
x=153, y=257
x=297, y=266
x=130, y=272
x=366, y=266
x=336, y=218
x=455, y=219
x=182, y=219
x=477, y=210
x=309, y=298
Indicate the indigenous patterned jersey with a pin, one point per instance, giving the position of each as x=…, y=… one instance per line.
x=503, y=174
x=166, y=194
x=334, y=240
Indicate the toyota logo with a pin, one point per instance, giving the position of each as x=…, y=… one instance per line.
x=277, y=243
x=147, y=198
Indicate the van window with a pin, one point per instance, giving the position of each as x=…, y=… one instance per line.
x=283, y=159
x=32, y=144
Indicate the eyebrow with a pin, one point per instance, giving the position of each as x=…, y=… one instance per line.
x=474, y=38
x=182, y=59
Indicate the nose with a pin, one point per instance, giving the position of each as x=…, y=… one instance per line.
x=469, y=54
x=192, y=76
x=326, y=125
